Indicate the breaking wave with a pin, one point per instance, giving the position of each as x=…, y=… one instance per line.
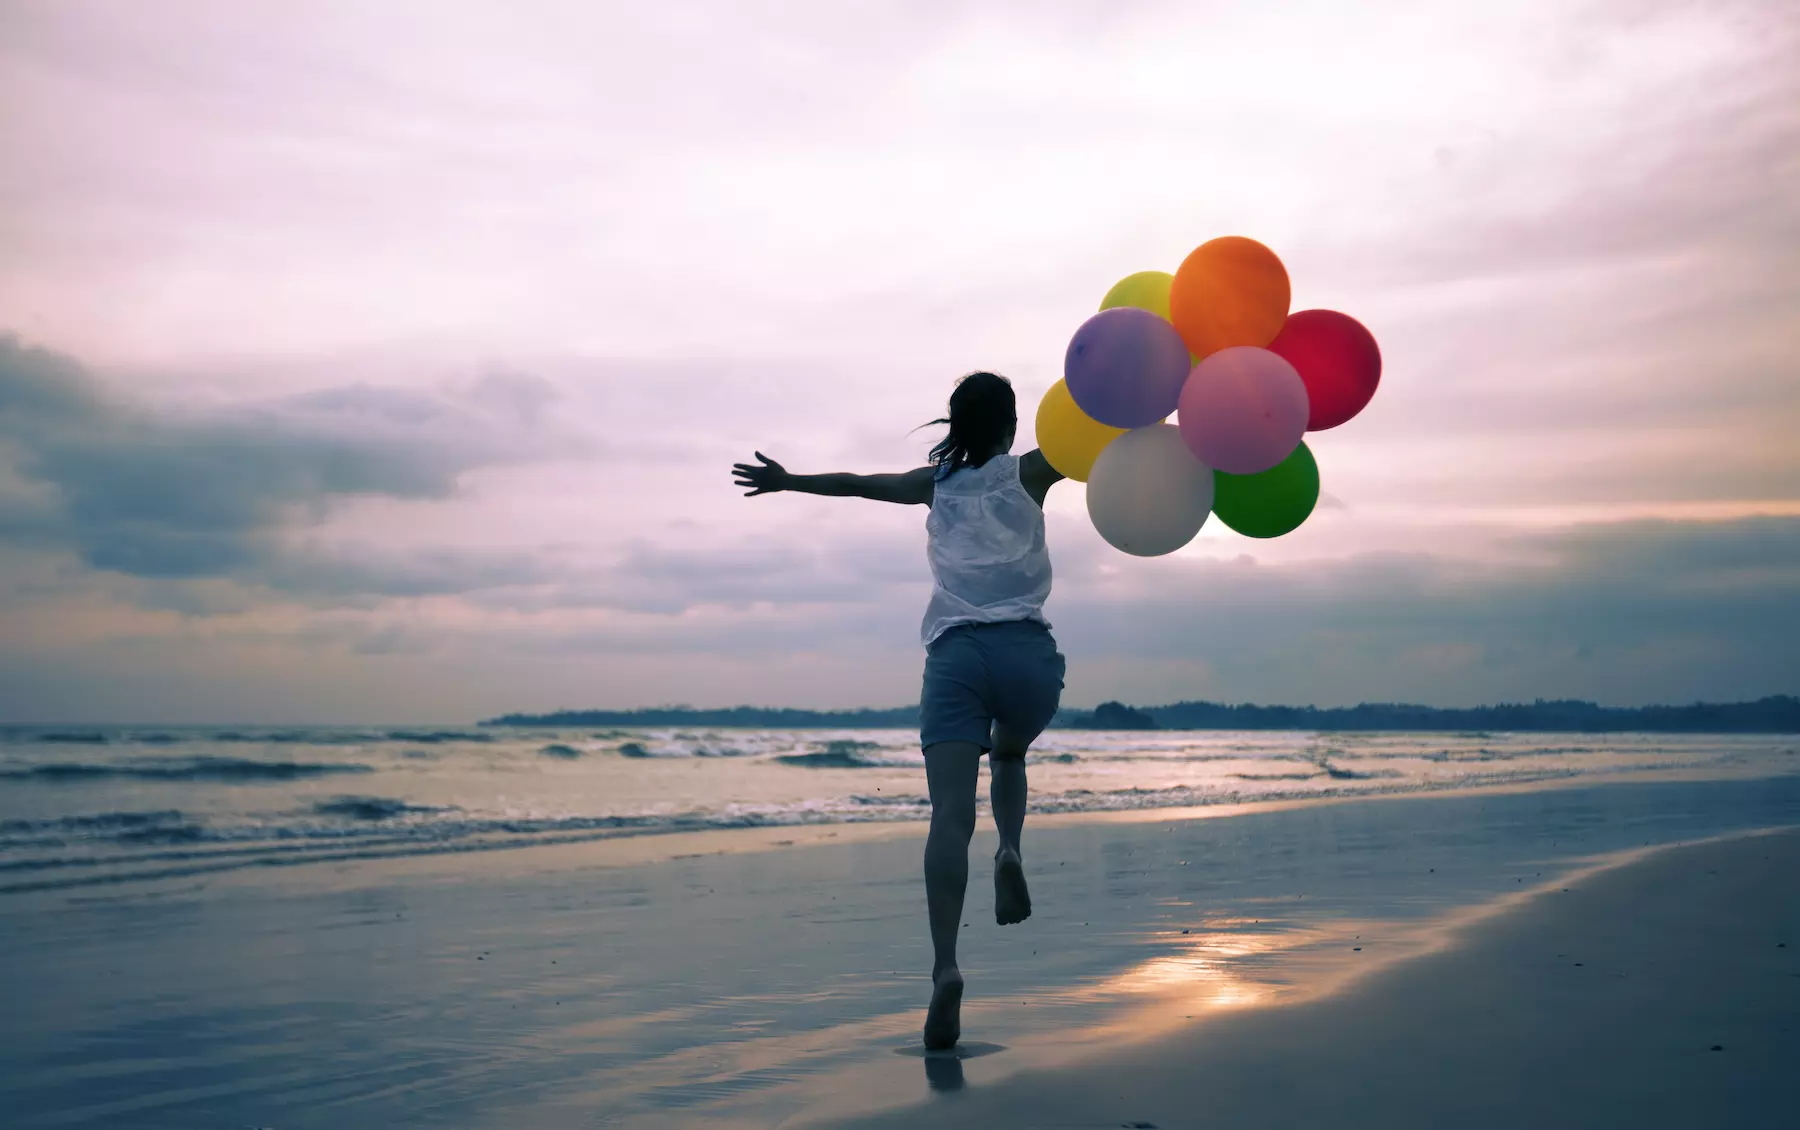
x=115, y=804
x=369, y=807
x=230, y=769
x=845, y=753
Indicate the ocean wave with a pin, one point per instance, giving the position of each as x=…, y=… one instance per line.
x=185, y=832
x=84, y=737
x=295, y=845
x=1484, y=753
x=1185, y=796
x=828, y=760
x=297, y=737
x=218, y=769
x=508, y=795
x=90, y=822
x=357, y=828
x=60, y=830
x=1338, y=774
x=557, y=749
x=327, y=736
x=693, y=748
x=370, y=807
x=844, y=753
x=685, y=745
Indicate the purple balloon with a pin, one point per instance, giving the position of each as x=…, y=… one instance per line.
x=1243, y=410
x=1125, y=367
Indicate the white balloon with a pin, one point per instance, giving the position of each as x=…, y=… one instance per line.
x=1147, y=494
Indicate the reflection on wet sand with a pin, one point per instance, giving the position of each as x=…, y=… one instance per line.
x=1242, y=962
x=1203, y=970
x=943, y=1069
x=1225, y=962
x=944, y=1074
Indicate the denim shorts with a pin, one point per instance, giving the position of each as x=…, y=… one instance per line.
x=981, y=676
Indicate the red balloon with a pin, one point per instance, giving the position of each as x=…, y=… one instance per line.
x=1336, y=357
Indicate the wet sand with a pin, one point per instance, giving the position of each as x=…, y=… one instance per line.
x=1664, y=992
x=778, y=977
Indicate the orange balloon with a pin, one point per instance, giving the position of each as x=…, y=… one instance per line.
x=1230, y=291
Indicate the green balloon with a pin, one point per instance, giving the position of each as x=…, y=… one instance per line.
x=1269, y=503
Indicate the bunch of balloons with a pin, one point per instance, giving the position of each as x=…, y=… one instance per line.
x=1214, y=345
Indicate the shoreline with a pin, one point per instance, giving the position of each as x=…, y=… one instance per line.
x=759, y=977
x=1658, y=988
x=607, y=851
x=184, y=812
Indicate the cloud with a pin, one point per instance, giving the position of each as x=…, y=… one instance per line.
x=1730, y=589
x=1572, y=226
x=161, y=493
x=1624, y=612
x=1630, y=137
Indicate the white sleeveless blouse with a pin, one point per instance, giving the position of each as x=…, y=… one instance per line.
x=985, y=540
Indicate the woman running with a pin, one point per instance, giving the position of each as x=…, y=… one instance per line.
x=993, y=676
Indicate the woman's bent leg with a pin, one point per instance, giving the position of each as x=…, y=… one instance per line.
x=951, y=770
x=1006, y=790
x=1029, y=689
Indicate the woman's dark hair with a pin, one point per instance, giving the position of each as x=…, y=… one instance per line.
x=982, y=411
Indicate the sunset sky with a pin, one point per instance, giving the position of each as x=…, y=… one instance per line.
x=386, y=362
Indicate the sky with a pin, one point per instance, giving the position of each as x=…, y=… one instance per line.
x=369, y=363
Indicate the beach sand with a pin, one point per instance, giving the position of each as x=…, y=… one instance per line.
x=1663, y=992
x=1371, y=962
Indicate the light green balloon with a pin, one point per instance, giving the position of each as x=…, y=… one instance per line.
x=1269, y=503
x=1147, y=290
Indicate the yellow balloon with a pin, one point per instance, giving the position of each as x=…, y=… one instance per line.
x=1147, y=290
x=1069, y=438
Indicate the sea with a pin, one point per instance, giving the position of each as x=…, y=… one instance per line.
x=107, y=805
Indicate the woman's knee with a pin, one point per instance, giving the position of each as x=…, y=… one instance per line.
x=1012, y=745
x=951, y=771
x=954, y=819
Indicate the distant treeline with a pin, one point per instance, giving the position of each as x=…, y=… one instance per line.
x=1779, y=714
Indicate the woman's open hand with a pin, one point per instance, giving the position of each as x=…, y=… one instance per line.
x=765, y=479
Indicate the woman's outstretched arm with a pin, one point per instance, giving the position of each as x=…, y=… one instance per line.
x=1037, y=475
x=912, y=488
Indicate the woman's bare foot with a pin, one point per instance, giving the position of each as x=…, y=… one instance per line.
x=943, y=1020
x=1012, y=901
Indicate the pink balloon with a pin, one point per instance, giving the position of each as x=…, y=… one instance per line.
x=1243, y=410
